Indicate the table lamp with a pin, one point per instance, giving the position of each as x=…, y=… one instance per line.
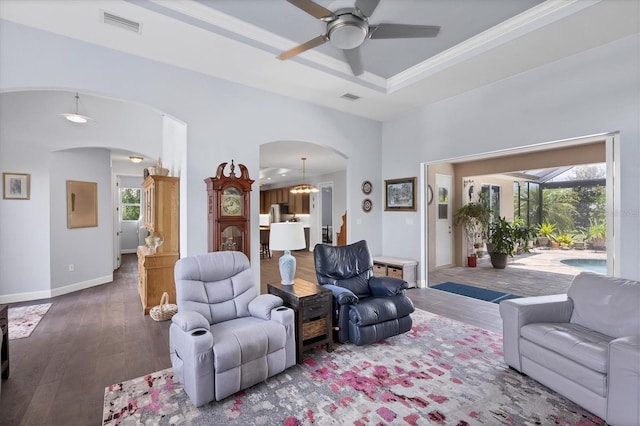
x=287, y=236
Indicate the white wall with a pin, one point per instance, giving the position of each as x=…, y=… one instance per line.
x=225, y=121
x=26, y=146
x=88, y=249
x=593, y=92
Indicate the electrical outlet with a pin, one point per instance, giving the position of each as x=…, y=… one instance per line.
x=72, y=267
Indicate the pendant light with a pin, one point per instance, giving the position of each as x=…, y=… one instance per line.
x=303, y=188
x=76, y=117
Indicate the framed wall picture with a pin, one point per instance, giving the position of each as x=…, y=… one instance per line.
x=16, y=186
x=400, y=194
x=82, y=204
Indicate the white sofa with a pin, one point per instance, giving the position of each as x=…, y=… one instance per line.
x=584, y=344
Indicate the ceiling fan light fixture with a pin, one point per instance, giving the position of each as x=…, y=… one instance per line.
x=303, y=188
x=347, y=32
x=75, y=117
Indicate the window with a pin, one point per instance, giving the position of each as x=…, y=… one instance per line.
x=130, y=204
x=492, y=195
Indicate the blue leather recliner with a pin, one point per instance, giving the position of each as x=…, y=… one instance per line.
x=366, y=309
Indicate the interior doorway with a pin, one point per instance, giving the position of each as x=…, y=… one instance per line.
x=326, y=212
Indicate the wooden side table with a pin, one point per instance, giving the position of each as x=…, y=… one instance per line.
x=4, y=352
x=312, y=306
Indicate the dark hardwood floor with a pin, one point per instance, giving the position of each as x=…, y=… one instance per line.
x=93, y=338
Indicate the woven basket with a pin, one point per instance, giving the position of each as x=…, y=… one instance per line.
x=165, y=310
x=158, y=171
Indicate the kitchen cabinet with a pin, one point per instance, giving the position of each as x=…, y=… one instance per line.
x=298, y=203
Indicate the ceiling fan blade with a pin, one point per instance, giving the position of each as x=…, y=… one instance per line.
x=403, y=31
x=314, y=42
x=355, y=60
x=367, y=6
x=313, y=9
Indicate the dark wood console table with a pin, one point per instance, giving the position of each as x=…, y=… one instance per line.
x=4, y=325
x=312, y=306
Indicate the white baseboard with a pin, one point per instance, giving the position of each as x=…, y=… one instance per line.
x=129, y=251
x=46, y=294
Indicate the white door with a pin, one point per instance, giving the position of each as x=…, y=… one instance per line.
x=444, y=236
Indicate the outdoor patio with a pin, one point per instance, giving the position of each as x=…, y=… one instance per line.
x=538, y=273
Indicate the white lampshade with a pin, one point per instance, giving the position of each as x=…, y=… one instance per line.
x=286, y=236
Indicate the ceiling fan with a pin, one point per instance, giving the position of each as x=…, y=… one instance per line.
x=348, y=28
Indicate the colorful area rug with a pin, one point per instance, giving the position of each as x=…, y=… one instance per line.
x=440, y=372
x=24, y=319
x=475, y=292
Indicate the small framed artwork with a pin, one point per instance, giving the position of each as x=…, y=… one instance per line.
x=16, y=186
x=82, y=204
x=400, y=194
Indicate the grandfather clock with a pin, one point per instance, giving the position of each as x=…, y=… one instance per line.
x=228, y=210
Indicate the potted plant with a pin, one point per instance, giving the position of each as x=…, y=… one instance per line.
x=472, y=260
x=545, y=232
x=474, y=218
x=565, y=241
x=579, y=237
x=597, y=235
x=505, y=237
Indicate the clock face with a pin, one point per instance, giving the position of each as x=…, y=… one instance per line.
x=231, y=205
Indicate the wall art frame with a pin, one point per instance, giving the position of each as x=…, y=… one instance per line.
x=82, y=204
x=400, y=194
x=16, y=186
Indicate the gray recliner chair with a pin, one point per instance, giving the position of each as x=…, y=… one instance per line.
x=225, y=337
x=584, y=344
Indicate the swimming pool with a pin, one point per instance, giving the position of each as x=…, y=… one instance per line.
x=593, y=265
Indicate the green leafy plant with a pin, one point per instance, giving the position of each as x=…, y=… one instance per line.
x=506, y=236
x=579, y=235
x=546, y=230
x=565, y=240
x=474, y=218
x=597, y=230
x=523, y=234
x=597, y=234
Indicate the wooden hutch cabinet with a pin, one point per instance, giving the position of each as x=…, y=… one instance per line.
x=161, y=216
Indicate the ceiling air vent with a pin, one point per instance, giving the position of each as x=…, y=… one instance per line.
x=120, y=22
x=350, y=96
